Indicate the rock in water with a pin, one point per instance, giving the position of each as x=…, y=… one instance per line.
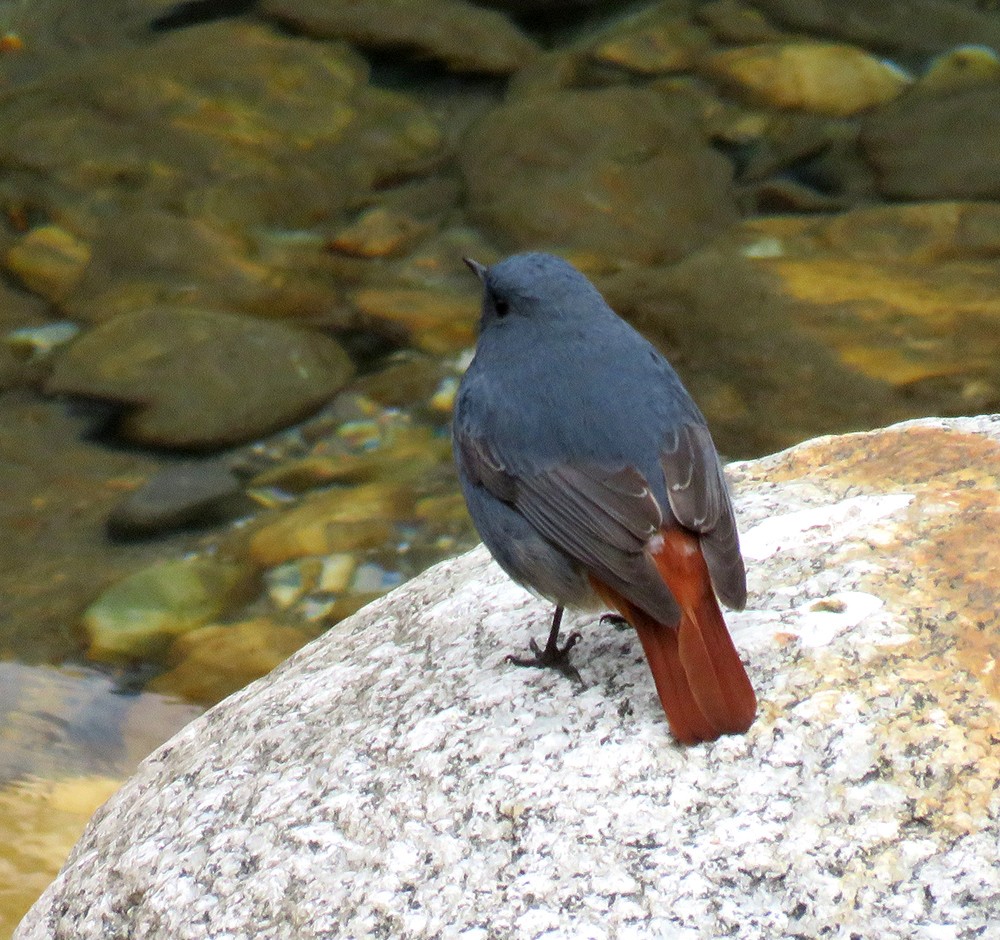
x=399, y=778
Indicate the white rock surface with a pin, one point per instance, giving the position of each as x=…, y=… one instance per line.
x=397, y=778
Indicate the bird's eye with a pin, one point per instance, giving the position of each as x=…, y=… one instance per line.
x=501, y=306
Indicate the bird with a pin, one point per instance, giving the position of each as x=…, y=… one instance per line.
x=592, y=478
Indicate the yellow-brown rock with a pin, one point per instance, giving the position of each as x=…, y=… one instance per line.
x=49, y=261
x=903, y=294
x=40, y=820
x=337, y=520
x=653, y=45
x=824, y=78
x=217, y=660
x=378, y=233
x=960, y=68
x=433, y=320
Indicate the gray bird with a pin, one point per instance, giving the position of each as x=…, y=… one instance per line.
x=591, y=476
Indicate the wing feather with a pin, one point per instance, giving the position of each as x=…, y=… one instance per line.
x=699, y=498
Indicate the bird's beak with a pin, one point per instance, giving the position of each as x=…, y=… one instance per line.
x=476, y=268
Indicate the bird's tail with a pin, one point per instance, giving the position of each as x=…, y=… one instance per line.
x=703, y=687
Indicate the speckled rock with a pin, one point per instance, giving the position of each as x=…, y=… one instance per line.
x=936, y=146
x=200, y=378
x=598, y=171
x=462, y=35
x=398, y=777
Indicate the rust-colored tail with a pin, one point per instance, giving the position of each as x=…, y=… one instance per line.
x=699, y=677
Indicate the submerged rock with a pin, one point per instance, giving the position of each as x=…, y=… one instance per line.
x=904, y=27
x=166, y=158
x=138, y=617
x=824, y=78
x=190, y=492
x=655, y=42
x=49, y=261
x=216, y=660
x=937, y=146
x=462, y=35
x=402, y=778
x=598, y=171
x=200, y=378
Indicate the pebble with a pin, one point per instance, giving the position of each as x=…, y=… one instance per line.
x=378, y=233
x=331, y=522
x=49, y=261
x=959, y=68
x=654, y=45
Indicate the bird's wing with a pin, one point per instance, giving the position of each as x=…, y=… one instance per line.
x=699, y=498
x=601, y=517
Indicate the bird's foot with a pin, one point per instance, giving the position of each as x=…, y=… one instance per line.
x=553, y=656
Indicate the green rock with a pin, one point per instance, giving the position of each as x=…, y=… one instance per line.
x=138, y=617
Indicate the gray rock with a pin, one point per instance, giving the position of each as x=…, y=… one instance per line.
x=398, y=778
x=180, y=494
x=927, y=146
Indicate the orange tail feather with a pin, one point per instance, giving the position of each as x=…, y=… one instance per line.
x=701, y=682
x=718, y=680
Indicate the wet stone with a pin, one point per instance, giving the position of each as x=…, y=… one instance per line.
x=49, y=261
x=960, y=68
x=823, y=78
x=465, y=37
x=216, y=660
x=138, y=617
x=653, y=43
x=177, y=496
x=912, y=28
x=598, y=171
x=201, y=379
x=937, y=146
x=236, y=127
x=334, y=521
x=737, y=23
x=378, y=233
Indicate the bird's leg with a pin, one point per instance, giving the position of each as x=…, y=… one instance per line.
x=553, y=656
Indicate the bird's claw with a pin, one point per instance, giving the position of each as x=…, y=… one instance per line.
x=553, y=656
